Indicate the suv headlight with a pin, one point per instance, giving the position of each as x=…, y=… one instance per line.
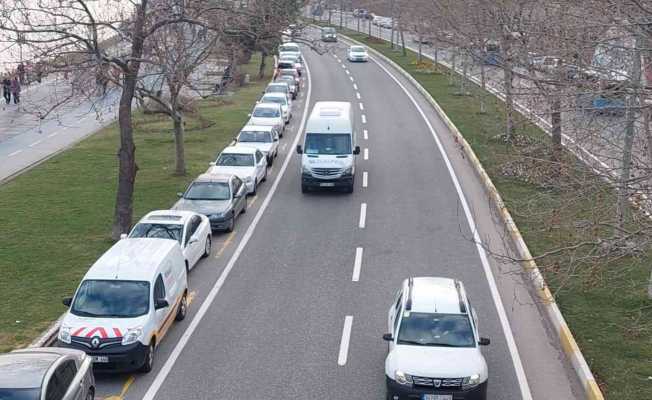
x=471, y=381
x=132, y=336
x=402, y=378
x=64, y=334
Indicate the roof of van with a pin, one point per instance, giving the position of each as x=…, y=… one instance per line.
x=132, y=259
x=330, y=116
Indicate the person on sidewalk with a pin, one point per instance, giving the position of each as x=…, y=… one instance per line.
x=6, y=89
x=15, y=89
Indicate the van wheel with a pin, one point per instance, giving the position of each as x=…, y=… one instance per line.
x=207, y=247
x=149, y=359
x=305, y=188
x=349, y=189
x=183, y=309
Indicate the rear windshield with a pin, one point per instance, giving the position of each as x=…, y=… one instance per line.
x=276, y=89
x=160, y=231
x=357, y=49
x=328, y=143
x=289, y=47
x=257, y=137
x=236, y=160
x=111, y=299
x=274, y=99
x=266, y=112
x=328, y=30
x=208, y=191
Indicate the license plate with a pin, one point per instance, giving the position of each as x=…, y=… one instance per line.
x=437, y=397
x=100, y=359
x=327, y=184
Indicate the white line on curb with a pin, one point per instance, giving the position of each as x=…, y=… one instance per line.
x=53, y=134
x=355, y=86
x=358, y=95
x=366, y=153
x=357, y=264
x=363, y=216
x=365, y=179
x=203, y=309
x=352, y=80
x=346, y=337
x=347, y=72
x=366, y=134
x=500, y=308
x=35, y=143
x=15, y=153
x=364, y=119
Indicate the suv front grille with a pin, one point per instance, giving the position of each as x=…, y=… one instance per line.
x=326, y=171
x=438, y=382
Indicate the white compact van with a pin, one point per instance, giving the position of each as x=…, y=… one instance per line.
x=126, y=303
x=329, y=147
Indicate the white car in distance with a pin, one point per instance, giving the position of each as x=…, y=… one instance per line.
x=357, y=53
x=283, y=101
x=245, y=162
x=268, y=114
x=191, y=230
x=263, y=138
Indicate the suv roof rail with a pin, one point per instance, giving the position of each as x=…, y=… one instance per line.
x=459, y=296
x=408, y=302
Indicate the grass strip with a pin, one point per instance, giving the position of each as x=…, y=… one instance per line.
x=56, y=218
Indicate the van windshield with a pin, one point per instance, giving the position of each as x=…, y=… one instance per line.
x=328, y=143
x=111, y=299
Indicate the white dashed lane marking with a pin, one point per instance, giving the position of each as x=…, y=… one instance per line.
x=15, y=153
x=366, y=134
x=364, y=119
x=366, y=154
x=346, y=338
x=363, y=216
x=365, y=179
x=357, y=264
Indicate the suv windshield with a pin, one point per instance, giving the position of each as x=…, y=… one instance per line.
x=446, y=330
x=258, y=137
x=160, y=231
x=111, y=299
x=208, y=191
x=328, y=143
x=266, y=112
x=236, y=160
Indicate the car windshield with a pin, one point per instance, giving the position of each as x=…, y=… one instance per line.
x=357, y=49
x=112, y=299
x=266, y=112
x=287, y=72
x=208, y=191
x=285, y=64
x=274, y=99
x=328, y=30
x=287, y=78
x=235, y=160
x=276, y=89
x=258, y=137
x=20, y=394
x=160, y=231
x=328, y=143
x=446, y=330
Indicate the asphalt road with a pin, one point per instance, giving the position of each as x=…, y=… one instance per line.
x=269, y=305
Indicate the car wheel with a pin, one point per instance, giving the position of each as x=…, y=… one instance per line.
x=148, y=365
x=207, y=247
x=264, y=176
x=255, y=189
x=91, y=394
x=270, y=160
x=231, y=224
x=183, y=309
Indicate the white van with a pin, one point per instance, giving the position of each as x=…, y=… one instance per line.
x=126, y=303
x=329, y=150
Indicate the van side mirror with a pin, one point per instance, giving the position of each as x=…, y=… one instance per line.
x=299, y=149
x=356, y=151
x=388, y=337
x=123, y=236
x=484, y=341
x=161, y=303
x=67, y=301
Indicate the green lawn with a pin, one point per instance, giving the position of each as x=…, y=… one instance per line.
x=605, y=304
x=56, y=218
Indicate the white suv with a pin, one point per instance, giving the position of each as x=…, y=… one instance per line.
x=433, y=344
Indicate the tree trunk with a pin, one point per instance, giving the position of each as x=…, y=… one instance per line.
x=127, y=169
x=509, y=102
x=451, y=76
x=436, y=56
x=420, y=55
x=403, y=42
x=180, y=157
x=359, y=23
x=556, y=122
x=263, y=64
x=465, y=71
x=369, y=26
x=483, y=83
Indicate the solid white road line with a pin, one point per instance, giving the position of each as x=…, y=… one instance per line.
x=347, y=72
x=35, y=143
x=53, y=134
x=363, y=216
x=366, y=134
x=364, y=119
x=203, y=309
x=352, y=80
x=366, y=153
x=526, y=394
x=361, y=107
x=357, y=264
x=346, y=338
x=355, y=86
x=343, y=66
x=358, y=95
x=365, y=179
x=15, y=153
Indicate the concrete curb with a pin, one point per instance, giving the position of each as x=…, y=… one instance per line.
x=566, y=339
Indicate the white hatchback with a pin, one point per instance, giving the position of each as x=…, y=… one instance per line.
x=191, y=230
x=268, y=114
x=263, y=138
x=282, y=100
x=247, y=163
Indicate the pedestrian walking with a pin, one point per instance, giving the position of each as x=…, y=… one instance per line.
x=21, y=73
x=15, y=89
x=6, y=89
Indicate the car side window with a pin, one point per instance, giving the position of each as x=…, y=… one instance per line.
x=259, y=156
x=61, y=380
x=397, y=312
x=159, y=288
x=237, y=183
